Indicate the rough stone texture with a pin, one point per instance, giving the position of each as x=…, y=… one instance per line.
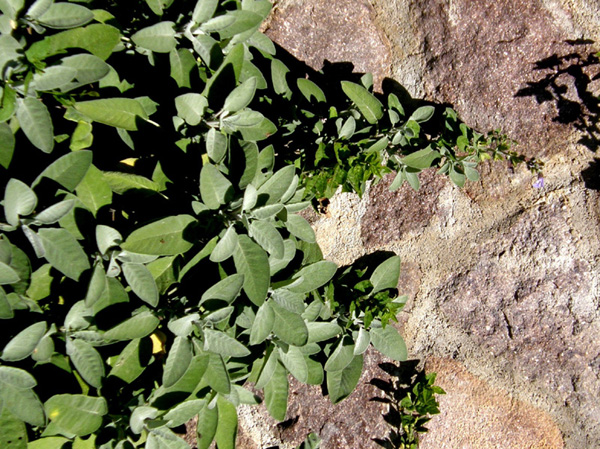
x=503, y=279
x=315, y=31
x=508, y=423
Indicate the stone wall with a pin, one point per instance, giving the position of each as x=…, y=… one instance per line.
x=503, y=278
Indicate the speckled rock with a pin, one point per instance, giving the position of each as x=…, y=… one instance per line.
x=316, y=31
x=508, y=423
x=503, y=278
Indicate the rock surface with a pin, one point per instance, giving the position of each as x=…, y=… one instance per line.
x=503, y=278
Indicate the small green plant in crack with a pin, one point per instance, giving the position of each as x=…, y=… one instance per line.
x=410, y=394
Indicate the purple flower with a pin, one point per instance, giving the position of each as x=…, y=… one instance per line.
x=539, y=183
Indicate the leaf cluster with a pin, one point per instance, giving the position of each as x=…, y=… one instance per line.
x=410, y=394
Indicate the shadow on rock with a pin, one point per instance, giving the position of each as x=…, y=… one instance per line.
x=410, y=395
x=567, y=82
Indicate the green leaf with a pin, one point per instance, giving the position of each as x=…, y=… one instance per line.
x=93, y=191
x=78, y=317
x=11, y=7
x=232, y=23
x=66, y=15
x=227, y=425
x=98, y=39
x=192, y=376
x=68, y=170
x=221, y=343
x=313, y=276
x=215, y=189
x=39, y=287
x=35, y=121
x=216, y=145
x=294, y=302
x=16, y=395
x=44, y=350
x=190, y=107
x=159, y=37
x=299, y=227
x=8, y=275
x=276, y=186
x=117, y=112
x=252, y=261
x=164, y=272
x=162, y=238
x=225, y=290
x=241, y=96
x=183, y=327
x=316, y=375
x=8, y=103
x=276, y=393
x=289, y=252
x=23, y=344
x=386, y=275
x=369, y=106
x=55, y=212
x=133, y=360
x=138, y=417
x=87, y=361
x=471, y=173
x=341, y=383
x=295, y=363
x=279, y=72
x=204, y=10
x=362, y=342
x=19, y=199
x=75, y=413
x=122, y=182
x=183, y=412
x=322, y=330
x=243, y=119
x=138, y=326
x=257, y=132
x=421, y=159
x=178, y=360
x=208, y=419
x=422, y=114
x=389, y=342
x=48, y=443
x=218, y=23
x=63, y=252
x=163, y=438
x=263, y=324
x=7, y=145
x=38, y=8
x=182, y=62
x=141, y=282
x=112, y=293
x=107, y=237
x=13, y=433
x=341, y=357
x=88, y=68
x=267, y=236
x=216, y=374
x=457, y=177
x=266, y=366
x=225, y=247
x=289, y=326
x=310, y=90
x=347, y=130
